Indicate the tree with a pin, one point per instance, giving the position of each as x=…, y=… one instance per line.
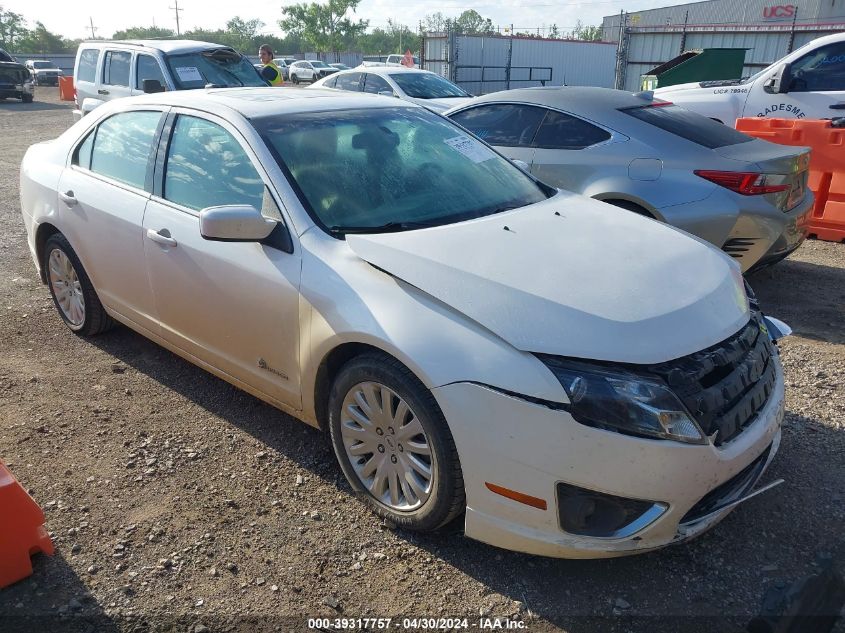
x=244, y=33
x=554, y=32
x=12, y=28
x=42, y=41
x=589, y=33
x=143, y=33
x=436, y=23
x=324, y=26
x=471, y=23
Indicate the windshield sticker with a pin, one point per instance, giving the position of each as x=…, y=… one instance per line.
x=473, y=150
x=189, y=73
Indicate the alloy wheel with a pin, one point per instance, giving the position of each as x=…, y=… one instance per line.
x=66, y=287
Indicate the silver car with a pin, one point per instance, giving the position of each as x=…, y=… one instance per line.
x=746, y=196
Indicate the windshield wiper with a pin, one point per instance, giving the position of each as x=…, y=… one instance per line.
x=389, y=227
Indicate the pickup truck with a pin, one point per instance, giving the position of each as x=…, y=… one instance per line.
x=808, y=83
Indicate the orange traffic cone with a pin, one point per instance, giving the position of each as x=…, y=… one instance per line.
x=22, y=532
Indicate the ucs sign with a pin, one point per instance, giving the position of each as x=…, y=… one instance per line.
x=779, y=11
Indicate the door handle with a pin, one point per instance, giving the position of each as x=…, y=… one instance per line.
x=838, y=106
x=159, y=237
x=68, y=198
x=102, y=92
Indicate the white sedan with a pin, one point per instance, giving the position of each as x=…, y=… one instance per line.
x=574, y=379
x=417, y=86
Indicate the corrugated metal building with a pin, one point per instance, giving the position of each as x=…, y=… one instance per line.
x=484, y=64
x=767, y=28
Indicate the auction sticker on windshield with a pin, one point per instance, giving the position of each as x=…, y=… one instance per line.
x=473, y=150
x=189, y=73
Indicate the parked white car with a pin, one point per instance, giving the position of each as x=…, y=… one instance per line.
x=417, y=86
x=105, y=70
x=809, y=83
x=309, y=70
x=579, y=380
x=44, y=72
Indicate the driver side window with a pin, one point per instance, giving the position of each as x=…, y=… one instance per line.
x=206, y=167
x=821, y=70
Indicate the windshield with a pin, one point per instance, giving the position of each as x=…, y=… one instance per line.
x=221, y=67
x=317, y=64
x=392, y=166
x=43, y=65
x=427, y=86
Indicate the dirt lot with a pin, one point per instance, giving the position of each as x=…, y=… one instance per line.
x=178, y=503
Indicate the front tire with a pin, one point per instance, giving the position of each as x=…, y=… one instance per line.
x=26, y=98
x=394, y=445
x=72, y=290
x=294, y=79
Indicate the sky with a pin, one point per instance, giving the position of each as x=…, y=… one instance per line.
x=73, y=19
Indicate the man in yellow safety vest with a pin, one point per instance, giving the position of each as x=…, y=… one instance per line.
x=270, y=72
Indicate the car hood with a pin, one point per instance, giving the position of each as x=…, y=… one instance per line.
x=574, y=277
x=441, y=105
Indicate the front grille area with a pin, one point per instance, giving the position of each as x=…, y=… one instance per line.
x=729, y=491
x=725, y=386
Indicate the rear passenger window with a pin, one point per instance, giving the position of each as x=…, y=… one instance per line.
x=82, y=156
x=146, y=67
x=116, y=68
x=502, y=124
x=349, y=81
x=562, y=131
x=689, y=125
x=375, y=84
x=123, y=145
x=207, y=167
x=87, y=70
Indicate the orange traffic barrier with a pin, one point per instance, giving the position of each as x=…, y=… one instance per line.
x=22, y=532
x=66, y=90
x=827, y=166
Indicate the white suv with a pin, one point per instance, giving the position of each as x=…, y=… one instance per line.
x=109, y=70
x=44, y=73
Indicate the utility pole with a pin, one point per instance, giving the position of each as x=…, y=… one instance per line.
x=92, y=27
x=176, y=9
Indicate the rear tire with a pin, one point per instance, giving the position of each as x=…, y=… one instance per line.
x=26, y=98
x=394, y=445
x=72, y=291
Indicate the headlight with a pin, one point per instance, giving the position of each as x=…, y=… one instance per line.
x=624, y=402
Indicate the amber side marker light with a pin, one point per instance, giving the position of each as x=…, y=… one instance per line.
x=534, y=502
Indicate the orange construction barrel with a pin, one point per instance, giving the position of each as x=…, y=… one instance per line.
x=66, y=89
x=22, y=531
x=827, y=166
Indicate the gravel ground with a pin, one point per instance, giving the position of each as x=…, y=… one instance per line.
x=178, y=503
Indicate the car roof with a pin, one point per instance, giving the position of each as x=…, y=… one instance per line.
x=390, y=70
x=165, y=46
x=572, y=98
x=259, y=102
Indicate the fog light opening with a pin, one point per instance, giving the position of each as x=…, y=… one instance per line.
x=589, y=513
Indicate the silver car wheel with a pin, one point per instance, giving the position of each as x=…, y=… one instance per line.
x=66, y=287
x=387, y=446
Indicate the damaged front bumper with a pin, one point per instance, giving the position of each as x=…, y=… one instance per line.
x=673, y=491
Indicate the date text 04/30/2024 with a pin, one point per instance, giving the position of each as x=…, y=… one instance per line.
x=425, y=624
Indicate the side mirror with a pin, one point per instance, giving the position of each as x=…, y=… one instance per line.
x=779, y=83
x=387, y=93
x=152, y=85
x=521, y=164
x=234, y=223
